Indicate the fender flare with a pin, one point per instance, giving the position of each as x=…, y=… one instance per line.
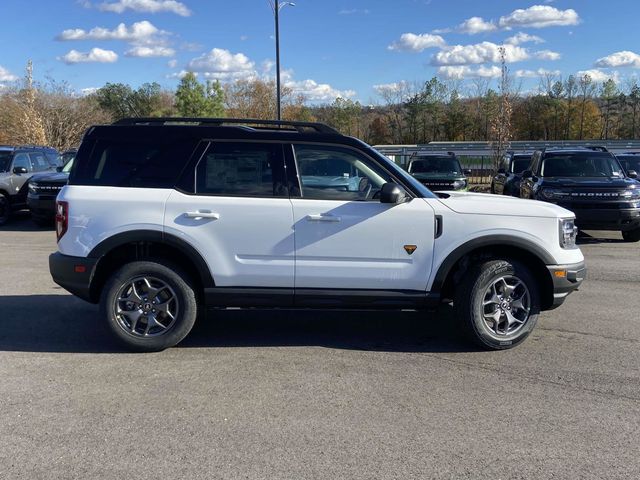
x=487, y=241
x=155, y=236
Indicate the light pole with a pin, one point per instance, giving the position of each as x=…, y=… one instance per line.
x=277, y=5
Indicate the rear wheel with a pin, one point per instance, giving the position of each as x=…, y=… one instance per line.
x=5, y=209
x=631, y=235
x=498, y=303
x=149, y=306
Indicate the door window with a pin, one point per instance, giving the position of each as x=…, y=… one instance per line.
x=242, y=169
x=39, y=162
x=22, y=160
x=336, y=173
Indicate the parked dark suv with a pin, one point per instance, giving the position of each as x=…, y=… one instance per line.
x=439, y=171
x=43, y=190
x=507, y=179
x=17, y=165
x=591, y=183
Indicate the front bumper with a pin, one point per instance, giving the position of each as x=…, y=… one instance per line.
x=605, y=219
x=74, y=274
x=41, y=205
x=566, y=279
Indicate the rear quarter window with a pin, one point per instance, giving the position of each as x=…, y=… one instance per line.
x=142, y=162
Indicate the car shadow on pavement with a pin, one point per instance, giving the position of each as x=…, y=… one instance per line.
x=21, y=222
x=589, y=239
x=62, y=323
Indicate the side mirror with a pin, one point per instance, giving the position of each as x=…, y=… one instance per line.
x=632, y=174
x=502, y=171
x=392, y=193
x=59, y=169
x=467, y=171
x=20, y=170
x=527, y=174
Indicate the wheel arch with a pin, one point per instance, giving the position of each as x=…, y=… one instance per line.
x=489, y=247
x=113, y=252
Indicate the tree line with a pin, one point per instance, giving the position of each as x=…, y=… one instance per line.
x=572, y=108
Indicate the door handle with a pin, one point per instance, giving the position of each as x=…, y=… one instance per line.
x=320, y=217
x=203, y=214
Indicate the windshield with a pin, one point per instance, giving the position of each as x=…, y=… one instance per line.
x=447, y=165
x=67, y=167
x=67, y=157
x=520, y=164
x=581, y=164
x=5, y=161
x=630, y=162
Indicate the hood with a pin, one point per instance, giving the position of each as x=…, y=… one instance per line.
x=487, y=204
x=54, y=177
x=588, y=182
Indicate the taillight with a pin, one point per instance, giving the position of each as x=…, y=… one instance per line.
x=62, y=218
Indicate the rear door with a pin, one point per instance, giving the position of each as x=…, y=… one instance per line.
x=238, y=215
x=345, y=238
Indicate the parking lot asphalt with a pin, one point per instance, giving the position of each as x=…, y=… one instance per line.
x=293, y=395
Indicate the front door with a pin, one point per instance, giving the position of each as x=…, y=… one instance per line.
x=345, y=238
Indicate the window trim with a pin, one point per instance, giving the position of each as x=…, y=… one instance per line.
x=210, y=145
x=395, y=179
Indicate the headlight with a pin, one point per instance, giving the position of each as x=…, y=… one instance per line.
x=32, y=187
x=568, y=232
x=631, y=194
x=553, y=194
x=458, y=184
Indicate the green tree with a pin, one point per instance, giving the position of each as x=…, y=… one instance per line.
x=121, y=101
x=194, y=99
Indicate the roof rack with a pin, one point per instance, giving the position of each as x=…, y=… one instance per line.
x=301, y=127
x=593, y=148
x=597, y=148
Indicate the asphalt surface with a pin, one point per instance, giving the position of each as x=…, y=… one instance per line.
x=290, y=395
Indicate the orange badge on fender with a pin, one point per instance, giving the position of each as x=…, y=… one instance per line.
x=410, y=249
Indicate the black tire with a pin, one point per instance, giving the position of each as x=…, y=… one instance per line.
x=5, y=209
x=179, y=285
x=631, y=235
x=470, y=297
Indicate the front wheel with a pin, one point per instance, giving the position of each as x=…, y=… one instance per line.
x=498, y=303
x=631, y=235
x=149, y=306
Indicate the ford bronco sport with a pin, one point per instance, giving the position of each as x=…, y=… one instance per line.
x=439, y=172
x=164, y=217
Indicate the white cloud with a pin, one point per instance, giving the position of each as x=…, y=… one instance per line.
x=547, y=55
x=312, y=90
x=520, y=38
x=353, y=11
x=598, y=75
x=149, y=52
x=539, y=16
x=624, y=58
x=395, y=87
x=147, y=6
x=541, y=72
x=223, y=65
x=172, y=63
x=485, y=52
x=6, y=75
x=95, y=55
x=410, y=42
x=460, y=72
x=476, y=25
x=139, y=32
x=88, y=91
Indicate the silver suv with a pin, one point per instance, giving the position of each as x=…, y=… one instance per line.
x=17, y=165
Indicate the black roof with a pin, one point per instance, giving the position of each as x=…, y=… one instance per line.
x=574, y=149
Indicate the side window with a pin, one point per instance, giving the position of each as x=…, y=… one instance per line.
x=242, y=169
x=141, y=162
x=39, y=162
x=22, y=160
x=336, y=173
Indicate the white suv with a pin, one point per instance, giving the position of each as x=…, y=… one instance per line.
x=163, y=217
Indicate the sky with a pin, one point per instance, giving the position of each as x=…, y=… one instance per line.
x=329, y=48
